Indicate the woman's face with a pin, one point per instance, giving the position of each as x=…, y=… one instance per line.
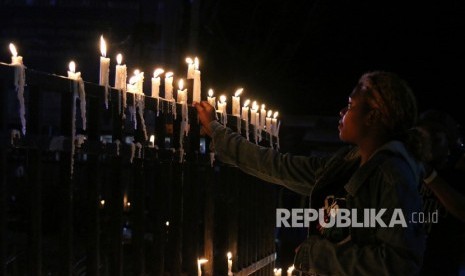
x=352, y=125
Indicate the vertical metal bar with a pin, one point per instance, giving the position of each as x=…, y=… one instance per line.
x=66, y=263
x=34, y=179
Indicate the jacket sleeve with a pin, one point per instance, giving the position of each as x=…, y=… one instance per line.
x=395, y=249
x=294, y=172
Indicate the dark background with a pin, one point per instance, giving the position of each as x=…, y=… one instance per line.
x=299, y=57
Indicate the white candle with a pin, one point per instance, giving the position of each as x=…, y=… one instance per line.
x=211, y=99
x=19, y=82
x=277, y=271
x=197, y=83
x=156, y=82
x=262, y=117
x=72, y=74
x=290, y=270
x=120, y=73
x=15, y=59
x=268, y=121
x=236, y=103
x=140, y=82
x=274, y=124
x=190, y=68
x=132, y=85
x=104, y=63
x=253, y=113
x=229, y=256
x=169, y=86
x=245, y=111
x=182, y=94
x=200, y=262
x=222, y=104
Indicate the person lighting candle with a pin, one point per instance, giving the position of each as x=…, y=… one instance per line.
x=381, y=163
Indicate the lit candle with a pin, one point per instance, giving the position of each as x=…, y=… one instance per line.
x=182, y=94
x=268, y=121
x=211, y=99
x=120, y=73
x=236, y=103
x=132, y=85
x=262, y=116
x=222, y=104
x=19, y=82
x=222, y=109
x=200, y=262
x=169, y=86
x=104, y=63
x=253, y=113
x=245, y=111
x=72, y=74
x=156, y=82
x=290, y=270
x=140, y=82
x=277, y=271
x=15, y=59
x=229, y=256
x=197, y=84
x=274, y=124
x=190, y=68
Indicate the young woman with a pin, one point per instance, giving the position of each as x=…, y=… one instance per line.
x=380, y=171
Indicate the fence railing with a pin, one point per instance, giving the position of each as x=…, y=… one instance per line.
x=117, y=203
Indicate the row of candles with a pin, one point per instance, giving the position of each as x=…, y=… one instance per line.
x=276, y=271
x=262, y=119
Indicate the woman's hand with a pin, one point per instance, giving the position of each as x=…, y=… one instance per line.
x=207, y=114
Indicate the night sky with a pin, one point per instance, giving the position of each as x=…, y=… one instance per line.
x=299, y=57
x=306, y=56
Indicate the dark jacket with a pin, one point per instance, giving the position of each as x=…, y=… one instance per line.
x=388, y=180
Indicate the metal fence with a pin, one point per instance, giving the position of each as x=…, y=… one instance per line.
x=118, y=203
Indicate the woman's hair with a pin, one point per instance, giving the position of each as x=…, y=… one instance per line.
x=395, y=108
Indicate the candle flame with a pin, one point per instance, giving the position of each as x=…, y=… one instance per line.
x=222, y=98
x=229, y=255
x=254, y=105
x=238, y=92
x=210, y=93
x=201, y=261
x=152, y=138
x=181, y=84
x=169, y=75
x=157, y=72
x=246, y=103
x=119, y=58
x=275, y=115
x=277, y=270
x=103, y=46
x=263, y=106
x=136, y=72
x=290, y=269
x=133, y=80
x=270, y=112
x=13, y=50
x=102, y=202
x=189, y=60
x=196, y=63
x=72, y=66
